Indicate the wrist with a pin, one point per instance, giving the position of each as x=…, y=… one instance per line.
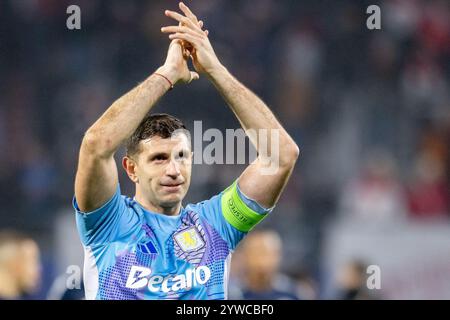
x=169, y=73
x=216, y=72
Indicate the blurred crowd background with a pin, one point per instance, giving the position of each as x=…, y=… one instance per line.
x=370, y=110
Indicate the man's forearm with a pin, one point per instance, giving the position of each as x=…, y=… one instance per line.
x=123, y=117
x=251, y=111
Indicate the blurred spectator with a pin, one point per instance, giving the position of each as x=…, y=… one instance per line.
x=377, y=195
x=351, y=282
x=305, y=286
x=428, y=192
x=260, y=277
x=61, y=291
x=19, y=266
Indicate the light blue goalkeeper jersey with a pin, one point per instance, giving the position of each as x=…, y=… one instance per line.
x=132, y=253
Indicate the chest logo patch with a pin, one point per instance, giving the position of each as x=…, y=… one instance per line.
x=189, y=239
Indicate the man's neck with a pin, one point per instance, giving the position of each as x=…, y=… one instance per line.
x=148, y=205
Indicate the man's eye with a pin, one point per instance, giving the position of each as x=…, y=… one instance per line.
x=159, y=158
x=183, y=155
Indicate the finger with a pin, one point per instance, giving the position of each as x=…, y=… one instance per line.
x=181, y=29
x=180, y=18
x=170, y=29
x=187, y=37
x=201, y=25
x=194, y=76
x=174, y=42
x=175, y=46
x=184, y=30
x=187, y=12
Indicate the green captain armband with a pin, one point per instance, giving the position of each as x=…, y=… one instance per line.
x=236, y=212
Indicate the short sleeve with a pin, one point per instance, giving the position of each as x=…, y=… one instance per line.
x=230, y=213
x=108, y=223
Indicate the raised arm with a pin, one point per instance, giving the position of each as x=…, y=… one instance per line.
x=96, y=178
x=266, y=177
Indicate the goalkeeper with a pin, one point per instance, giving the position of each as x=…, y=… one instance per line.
x=150, y=246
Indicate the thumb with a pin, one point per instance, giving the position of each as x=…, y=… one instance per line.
x=194, y=76
x=175, y=46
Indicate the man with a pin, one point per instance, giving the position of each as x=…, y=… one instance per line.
x=260, y=277
x=151, y=247
x=352, y=282
x=20, y=268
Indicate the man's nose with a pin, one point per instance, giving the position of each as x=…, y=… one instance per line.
x=173, y=169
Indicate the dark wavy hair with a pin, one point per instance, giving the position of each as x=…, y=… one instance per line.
x=158, y=124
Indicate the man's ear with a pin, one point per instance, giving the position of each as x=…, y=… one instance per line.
x=130, y=165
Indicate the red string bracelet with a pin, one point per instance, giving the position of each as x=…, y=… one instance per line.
x=170, y=82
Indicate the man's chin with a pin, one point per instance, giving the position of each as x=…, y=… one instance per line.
x=171, y=200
